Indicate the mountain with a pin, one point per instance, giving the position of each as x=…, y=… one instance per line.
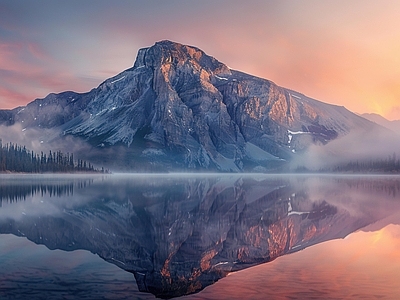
x=378, y=119
x=179, y=108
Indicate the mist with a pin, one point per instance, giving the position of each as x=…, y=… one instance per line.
x=44, y=140
x=378, y=144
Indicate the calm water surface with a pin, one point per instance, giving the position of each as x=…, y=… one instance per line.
x=171, y=235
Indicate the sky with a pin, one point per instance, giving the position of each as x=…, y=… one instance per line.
x=340, y=52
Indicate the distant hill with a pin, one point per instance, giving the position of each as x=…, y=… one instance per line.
x=378, y=119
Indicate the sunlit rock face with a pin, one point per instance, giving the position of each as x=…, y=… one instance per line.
x=179, y=235
x=180, y=108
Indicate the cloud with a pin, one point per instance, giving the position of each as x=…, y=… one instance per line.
x=44, y=140
x=28, y=72
x=10, y=98
x=39, y=140
x=356, y=146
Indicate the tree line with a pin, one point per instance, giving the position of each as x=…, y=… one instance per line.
x=16, y=158
x=389, y=165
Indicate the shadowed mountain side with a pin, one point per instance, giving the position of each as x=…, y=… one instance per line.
x=178, y=108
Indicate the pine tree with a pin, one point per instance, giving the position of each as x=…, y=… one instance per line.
x=16, y=158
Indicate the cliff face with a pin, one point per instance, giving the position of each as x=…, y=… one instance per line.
x=181, y=106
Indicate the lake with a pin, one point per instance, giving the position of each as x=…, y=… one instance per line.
x=199, y=236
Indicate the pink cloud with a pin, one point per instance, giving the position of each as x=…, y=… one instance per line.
x=10, y=99
x=28, y=72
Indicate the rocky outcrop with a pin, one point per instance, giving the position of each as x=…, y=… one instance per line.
x=181, y=108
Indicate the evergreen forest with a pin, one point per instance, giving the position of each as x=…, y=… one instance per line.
x=16, y=158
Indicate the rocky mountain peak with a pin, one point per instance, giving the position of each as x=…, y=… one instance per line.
x=179, y=108
x=179, y=55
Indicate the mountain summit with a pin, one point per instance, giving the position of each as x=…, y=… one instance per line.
x=179, y=108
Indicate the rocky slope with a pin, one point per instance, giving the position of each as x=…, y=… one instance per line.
x=177, y=107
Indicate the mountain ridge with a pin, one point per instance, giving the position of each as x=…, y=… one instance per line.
x=178, y=107
x=378, y=119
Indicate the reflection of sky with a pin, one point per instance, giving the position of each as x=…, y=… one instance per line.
x=30, y=271
x=365, y=265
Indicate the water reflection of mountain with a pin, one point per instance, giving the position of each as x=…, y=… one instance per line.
x=178, y=235
x=388, y=185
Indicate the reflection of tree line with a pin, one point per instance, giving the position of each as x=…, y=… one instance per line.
x=388, y=186
x=14, y=193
